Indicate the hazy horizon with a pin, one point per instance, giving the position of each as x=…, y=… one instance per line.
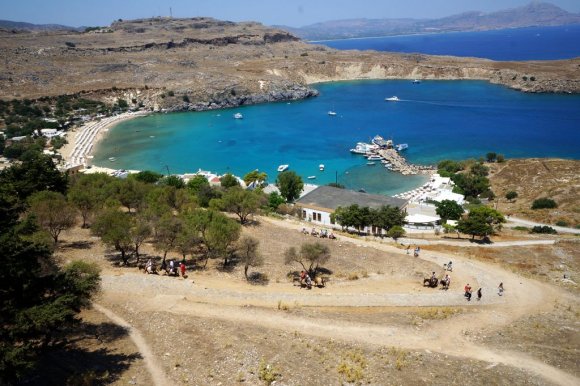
x=270, y=12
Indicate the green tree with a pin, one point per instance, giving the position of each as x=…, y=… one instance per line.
x=491, y=157
x=168, y=230
x=354, y=216
x=511, y=195
x=33, y=175
x=247, y=248
x=449, y=210
x=52, y=212
x=275, y=200
x=229, y=181
x=173, y=181
x=311, y=254
x=481, y=221
x=139, y=233
x=446, y=168
x=255, y=176
x=500, y=158
x=39, y=301
x=147, y=176
x=217, y=232
x=114, y=229
x=396, y=232
x=89, y=192
x=290, y=185
x=239, y=201
x=544, y=203
x=195, y=184
x=131, y=193
x=387, y=217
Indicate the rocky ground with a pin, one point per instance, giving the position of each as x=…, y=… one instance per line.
x=374, y=323
x=531, y=179
x=201, y=63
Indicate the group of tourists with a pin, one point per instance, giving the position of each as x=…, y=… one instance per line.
x=324, y=233
x=171, y=269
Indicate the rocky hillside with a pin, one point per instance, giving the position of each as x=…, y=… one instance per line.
x=203, y=63
x=532, y=15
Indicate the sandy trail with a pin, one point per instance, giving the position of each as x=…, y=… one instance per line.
x=230, y=301
x=157, y=373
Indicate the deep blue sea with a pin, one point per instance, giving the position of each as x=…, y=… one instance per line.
x=533, y=43
x=438, y=119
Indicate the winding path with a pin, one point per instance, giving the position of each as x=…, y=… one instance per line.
x=214, y=301
x=157, y=374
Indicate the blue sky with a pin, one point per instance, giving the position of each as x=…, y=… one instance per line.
x=288, y=12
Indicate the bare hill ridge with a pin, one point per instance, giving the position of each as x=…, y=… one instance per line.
x=208, y=63
x=532, y=15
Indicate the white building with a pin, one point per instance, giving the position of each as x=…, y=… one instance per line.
x=320, y=203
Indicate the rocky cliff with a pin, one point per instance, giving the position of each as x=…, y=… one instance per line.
x=201, y=63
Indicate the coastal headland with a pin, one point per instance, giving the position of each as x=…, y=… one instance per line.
x=201, y=63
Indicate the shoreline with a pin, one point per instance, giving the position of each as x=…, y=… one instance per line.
x=86, y=137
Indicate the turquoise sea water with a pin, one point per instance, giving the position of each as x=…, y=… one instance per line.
x=438, y=119
x=532, y=43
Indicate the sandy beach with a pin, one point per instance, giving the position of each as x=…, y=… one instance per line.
x=82, y=141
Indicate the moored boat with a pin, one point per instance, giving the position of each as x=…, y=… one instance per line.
x=416, y=81
x=238, y=116
x=402, y=146
x=332, y=113
x=374, y=157
x=321, y=167
x=371, y=163
x=282, y=168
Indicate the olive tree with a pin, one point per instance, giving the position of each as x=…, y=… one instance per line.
x=247, y=249
x=114, y=229
x=311, y=254
x=52, y=212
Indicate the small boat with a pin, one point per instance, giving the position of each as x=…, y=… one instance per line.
x=332, y=113
x=311, y=177
x=394, y=98
x=282, y=168
x=238, y=116
x=401, y=147
x=112, y=159
x=371, y=163
x=374, y=157
x=321, y=167
x=416, y=81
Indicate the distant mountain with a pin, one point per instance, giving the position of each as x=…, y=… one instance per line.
x=531, y=15
x=17, y=25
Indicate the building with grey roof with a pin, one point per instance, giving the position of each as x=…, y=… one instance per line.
x=319, y=204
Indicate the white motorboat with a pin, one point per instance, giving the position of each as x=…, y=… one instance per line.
x=371, y=163
x=332, y=113
x=321, y=167
x=238, y=116
x=394, y=98
x=112, y=159
x=416, y=81
x=402, y=146
x=311, y=177
x=374, y=157
x=363, y=148
x=282, y=168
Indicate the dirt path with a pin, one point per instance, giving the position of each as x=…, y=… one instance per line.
x=228, y=301
x=156, y=372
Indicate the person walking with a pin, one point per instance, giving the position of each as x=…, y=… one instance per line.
x=182, y=269
x=479, y=294
x=468, y=292
x=500, y=289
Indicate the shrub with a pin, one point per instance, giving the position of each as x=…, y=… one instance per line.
x=70, y=44
x=185, y=99
x=544, y=203
x=544, y=229
x=170, y=93
x=304, y=54
x=521, y=228
x=267, y=372
x=562, y=223
x=511, y=195
x=500, y=158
